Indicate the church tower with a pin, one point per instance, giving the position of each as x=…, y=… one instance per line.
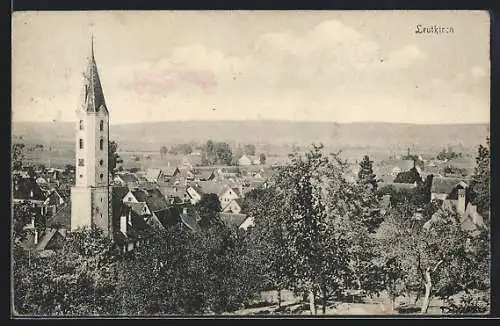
x=90, y=197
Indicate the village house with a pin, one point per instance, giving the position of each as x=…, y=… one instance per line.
x=235, y=220
x=204, y=174
x=229, y=172
x=441, y=188
x=245, y=160
x=230, y=194
x=234, y=206
x=126, y=179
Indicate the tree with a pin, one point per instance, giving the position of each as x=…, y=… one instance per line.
x=23, y=214
x=79, y=280
x=223, y=153
x=480, y=185
x=163, y=151
x=262, y=158
x=319, y=201
x=209, y=208
x=249, y=149
x=410, y=176
x=437, y=258
x=269, y=238
x=17, y=156
x=365, y=174
x=368, y=185
x=114, y=158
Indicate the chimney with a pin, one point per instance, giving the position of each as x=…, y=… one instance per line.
x=461, y=201
x=123, y=223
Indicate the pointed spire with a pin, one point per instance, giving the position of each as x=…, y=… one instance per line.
x=93, y=99
x=92, y=46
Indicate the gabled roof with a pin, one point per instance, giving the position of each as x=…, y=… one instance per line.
x=190, y=219
x=140, y=194
x=232, y=219
x=54, y=198
x=170, y=171
x=237, y=191
x=156, y=200
x=128, y=177
x=211, y=187
x=62, y=217
x=137, y=208
x=153, y=174
x=119, y=192
x=169, y=217
x=446, y=185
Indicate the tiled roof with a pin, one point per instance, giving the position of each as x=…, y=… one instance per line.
x=190, y=219
x=140, y=194
x=119, y=192
x=46, y=237
x=169, y=171
x=211, y=187
x=128, y=177
x=444, y=185
x=237, y=191
x=168, y=217
x=62, y=217
x=137, y=208
x=232, y=219
x=156, y=200
x=153, y=173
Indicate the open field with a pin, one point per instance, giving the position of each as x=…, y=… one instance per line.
x=381, y=305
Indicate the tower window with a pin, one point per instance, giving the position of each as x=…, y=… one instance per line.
x=101, y=144
x=101, y=176
x=80, y=162
x=81, y=143
x=81, y=124
x=101, y=162
x=101, y=125
x=81, y=175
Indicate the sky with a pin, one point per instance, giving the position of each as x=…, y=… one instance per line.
x=342, y=66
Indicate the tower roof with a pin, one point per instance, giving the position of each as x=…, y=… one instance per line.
x=93, y=96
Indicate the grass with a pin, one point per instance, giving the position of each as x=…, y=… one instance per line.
x=293, y=305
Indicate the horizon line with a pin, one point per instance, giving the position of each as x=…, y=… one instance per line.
x=270, y=120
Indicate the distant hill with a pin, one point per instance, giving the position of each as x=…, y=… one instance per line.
x=151, y=136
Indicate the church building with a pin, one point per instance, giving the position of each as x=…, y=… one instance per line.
x=91, y=195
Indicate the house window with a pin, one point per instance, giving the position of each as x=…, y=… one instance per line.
x=80, y=162
x=81, y=143
x=101, y=125
x=81, y=124
x=129, y=199
x=101, y=144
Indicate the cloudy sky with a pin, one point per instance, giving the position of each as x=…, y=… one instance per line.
x=333, y=66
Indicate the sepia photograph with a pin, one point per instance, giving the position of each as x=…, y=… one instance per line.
x=250, y=163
